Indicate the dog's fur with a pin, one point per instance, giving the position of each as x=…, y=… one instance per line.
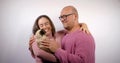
x=40, y=35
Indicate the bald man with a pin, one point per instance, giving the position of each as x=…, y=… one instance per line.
x=76, y=46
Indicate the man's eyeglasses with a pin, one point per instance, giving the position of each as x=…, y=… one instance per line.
x=64, y=16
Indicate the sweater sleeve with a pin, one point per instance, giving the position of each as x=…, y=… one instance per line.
x=65, y=57
x=83, y=52
x=41, y=54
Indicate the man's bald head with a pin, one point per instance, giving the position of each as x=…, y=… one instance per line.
x=69, y=9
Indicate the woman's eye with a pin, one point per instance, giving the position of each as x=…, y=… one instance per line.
x=41, y=25
x=47, y=23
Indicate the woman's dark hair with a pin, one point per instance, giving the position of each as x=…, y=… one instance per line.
x=36, y=27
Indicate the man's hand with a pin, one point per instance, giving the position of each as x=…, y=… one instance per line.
x=51, y=44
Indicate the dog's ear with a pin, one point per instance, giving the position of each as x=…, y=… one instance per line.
x=42, y=32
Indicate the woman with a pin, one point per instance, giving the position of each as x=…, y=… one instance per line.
x=44, y=22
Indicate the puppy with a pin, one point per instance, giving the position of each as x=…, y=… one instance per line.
x=40, y=35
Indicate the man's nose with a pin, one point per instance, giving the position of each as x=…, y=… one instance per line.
x=62, y=20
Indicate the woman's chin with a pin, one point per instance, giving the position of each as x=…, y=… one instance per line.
x=47, y=34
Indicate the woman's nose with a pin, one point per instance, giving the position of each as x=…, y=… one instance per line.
x=44, y=27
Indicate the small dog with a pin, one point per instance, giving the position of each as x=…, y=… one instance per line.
x=40, y=35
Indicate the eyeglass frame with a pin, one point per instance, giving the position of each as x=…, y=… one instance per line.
x=65, y=16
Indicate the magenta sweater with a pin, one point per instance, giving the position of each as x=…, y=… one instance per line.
x=77, y=47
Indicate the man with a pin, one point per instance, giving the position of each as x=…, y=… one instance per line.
x=76, y=46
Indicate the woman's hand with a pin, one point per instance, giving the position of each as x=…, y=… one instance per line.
x=32, y=39
x=84, y=28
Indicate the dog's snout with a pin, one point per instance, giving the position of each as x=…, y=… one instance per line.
x=42, y=32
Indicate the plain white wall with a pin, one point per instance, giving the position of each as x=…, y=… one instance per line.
x=17, y=18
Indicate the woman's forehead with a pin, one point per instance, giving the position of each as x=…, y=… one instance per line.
x=43, y=20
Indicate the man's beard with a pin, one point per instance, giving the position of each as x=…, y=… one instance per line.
x=67, y=28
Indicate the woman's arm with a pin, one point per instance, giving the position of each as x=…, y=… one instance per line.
x=30, y=45
x=41, y=54
x=84, y=28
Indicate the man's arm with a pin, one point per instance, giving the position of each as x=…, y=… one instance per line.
x=83, y=51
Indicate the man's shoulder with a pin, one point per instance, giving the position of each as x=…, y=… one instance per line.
x=60, y=33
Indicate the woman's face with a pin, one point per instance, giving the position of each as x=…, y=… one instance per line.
x=44, y=23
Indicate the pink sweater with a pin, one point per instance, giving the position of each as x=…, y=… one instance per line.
x=77, y=47
x=41, y=56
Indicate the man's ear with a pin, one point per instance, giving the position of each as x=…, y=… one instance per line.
x=75, y=16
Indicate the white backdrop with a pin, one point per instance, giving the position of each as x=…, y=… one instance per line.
x=17, y=18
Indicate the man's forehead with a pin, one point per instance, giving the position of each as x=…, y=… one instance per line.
x=66, y=11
